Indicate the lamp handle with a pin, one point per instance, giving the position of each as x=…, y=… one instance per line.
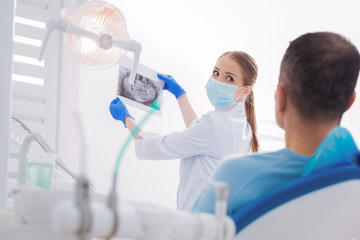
x=132, y=46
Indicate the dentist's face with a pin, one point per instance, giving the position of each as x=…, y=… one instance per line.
x=226, y=70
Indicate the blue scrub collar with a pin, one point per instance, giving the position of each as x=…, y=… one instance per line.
x=337, y=149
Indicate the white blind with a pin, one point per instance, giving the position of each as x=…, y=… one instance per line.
x=35, y=83
x=271, y=136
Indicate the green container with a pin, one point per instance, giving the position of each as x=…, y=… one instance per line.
x=40, y=174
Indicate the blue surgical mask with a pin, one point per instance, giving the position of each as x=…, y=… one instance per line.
x=220, y=94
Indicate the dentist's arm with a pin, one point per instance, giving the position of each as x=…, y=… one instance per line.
x=120, y=112
x=186, y=109
x=130, y=124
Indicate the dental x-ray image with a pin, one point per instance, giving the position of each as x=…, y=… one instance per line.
x=145, y=90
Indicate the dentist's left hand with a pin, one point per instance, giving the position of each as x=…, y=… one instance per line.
x=119, y=111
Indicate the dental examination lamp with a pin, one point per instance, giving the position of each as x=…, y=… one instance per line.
x=96, y=34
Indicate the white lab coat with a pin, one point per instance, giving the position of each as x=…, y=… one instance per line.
x=201, y=146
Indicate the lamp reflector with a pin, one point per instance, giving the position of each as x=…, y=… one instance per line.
x=103, y=20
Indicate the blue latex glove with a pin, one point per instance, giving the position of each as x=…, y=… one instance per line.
x=118, y=110
x=171, y=85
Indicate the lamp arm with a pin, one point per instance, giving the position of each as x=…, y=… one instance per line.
x=70, y=28
x=55, y=23
x=50, y=28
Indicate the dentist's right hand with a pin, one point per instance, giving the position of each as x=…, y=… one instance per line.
x=185, y=107
x=119, y=111
x=171, y=85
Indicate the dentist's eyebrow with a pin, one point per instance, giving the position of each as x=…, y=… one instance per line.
x=231, y=73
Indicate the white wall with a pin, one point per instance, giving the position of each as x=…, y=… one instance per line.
x=184, y=39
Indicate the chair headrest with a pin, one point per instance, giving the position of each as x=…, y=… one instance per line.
x=337, y=149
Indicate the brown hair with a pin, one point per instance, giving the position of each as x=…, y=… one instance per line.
x=250, y=71
x=320, y=72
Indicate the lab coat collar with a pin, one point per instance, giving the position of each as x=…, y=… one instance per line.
x=236, y=107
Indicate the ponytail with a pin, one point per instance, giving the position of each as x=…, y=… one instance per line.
x=251, y=118
x=250, y=71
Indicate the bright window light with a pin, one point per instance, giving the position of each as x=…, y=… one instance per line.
x=27, y=79
x=26, y=40
x=30, y=22
x=29, y=60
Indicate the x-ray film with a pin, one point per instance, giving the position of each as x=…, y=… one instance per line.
x=146, y=89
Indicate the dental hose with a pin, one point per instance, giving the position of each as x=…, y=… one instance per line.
x=154, y=107
x=112, y=200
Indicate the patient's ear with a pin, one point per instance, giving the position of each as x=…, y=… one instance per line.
x=280, y=98
x=280, y=104
x=351, y=101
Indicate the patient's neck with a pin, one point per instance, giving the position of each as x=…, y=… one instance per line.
x=305, y=137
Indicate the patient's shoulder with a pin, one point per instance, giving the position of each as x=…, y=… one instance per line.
x=268, y=157
x=258, y=171
x=249, y=164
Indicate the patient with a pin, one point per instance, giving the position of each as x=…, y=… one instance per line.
x=317, y=79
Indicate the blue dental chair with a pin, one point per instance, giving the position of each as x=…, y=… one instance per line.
x=322, y=204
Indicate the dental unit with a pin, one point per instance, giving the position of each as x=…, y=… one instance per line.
x=77, y=210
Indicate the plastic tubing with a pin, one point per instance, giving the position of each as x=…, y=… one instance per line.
x=154, y=107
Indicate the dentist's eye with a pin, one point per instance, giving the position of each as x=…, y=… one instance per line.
x=215, y=73
x=229, y=78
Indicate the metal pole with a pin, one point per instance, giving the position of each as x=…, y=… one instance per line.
x=7, y=8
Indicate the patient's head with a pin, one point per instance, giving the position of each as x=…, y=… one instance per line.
x=319, y=72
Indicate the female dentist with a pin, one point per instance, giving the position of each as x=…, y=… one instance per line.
x=230, y=129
